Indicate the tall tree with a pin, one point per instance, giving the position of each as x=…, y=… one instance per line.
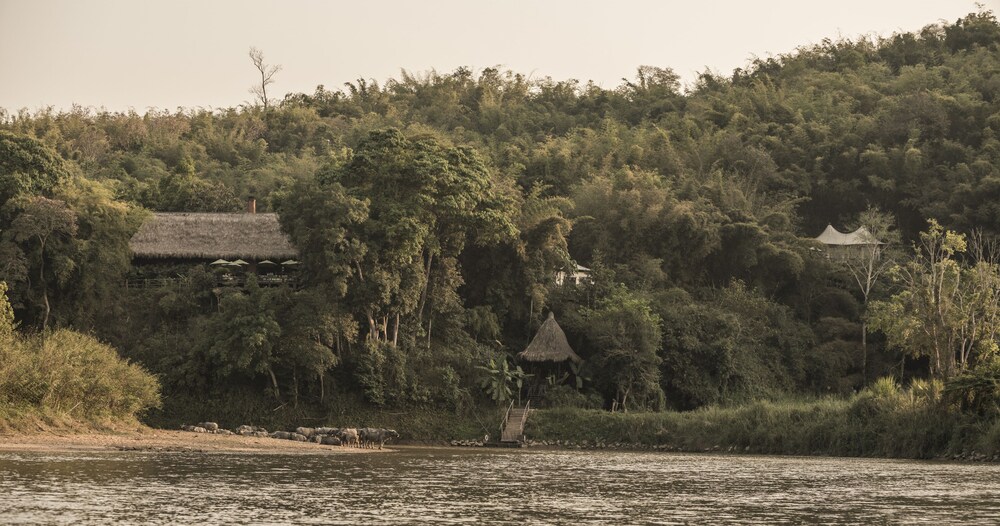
x=869, y=263
x=947, y=309
x=38, y=221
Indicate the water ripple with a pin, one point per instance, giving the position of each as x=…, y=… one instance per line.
x=449, y=486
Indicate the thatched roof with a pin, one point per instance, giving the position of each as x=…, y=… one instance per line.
x=861, y=236
x=549, y=345
x=211, y=236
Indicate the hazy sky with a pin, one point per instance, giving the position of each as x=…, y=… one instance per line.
x=121, y=54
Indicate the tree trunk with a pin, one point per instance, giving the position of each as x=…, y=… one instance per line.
x=45, y=287
x=274, y=384
x=395, y=331
x=864, y=354
x=427, y=284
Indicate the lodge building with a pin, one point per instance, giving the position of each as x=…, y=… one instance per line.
x=233, y=244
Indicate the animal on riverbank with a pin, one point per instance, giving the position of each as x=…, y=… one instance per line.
x=329, y=440
x=349, y=437
x=371, y=436
x=305, y=431
x=246, y=430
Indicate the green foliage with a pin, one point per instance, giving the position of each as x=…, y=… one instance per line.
x=27, y=167
x=68, y=373
x=828, y=426
x=502, y=380
x=976, y=390
x=432, y=211
x=7, y=324
x=566, y=396
x=627, y=334
x=947, y=310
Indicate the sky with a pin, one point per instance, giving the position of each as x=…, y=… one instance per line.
x=129, y=54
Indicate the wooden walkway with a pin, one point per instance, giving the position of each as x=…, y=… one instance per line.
x=513, y=429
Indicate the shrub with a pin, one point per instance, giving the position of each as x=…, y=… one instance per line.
x=69, y=373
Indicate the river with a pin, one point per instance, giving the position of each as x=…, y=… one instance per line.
x=475, y=486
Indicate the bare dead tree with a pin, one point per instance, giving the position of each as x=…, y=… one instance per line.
x=267, y=73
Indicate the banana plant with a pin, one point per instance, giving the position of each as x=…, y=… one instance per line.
x=501, y=378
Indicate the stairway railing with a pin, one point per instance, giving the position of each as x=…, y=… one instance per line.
x=506, y=418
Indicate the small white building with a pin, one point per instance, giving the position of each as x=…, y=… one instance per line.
x=579, y=276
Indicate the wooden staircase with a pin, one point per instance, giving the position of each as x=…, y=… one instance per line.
x=513, y=428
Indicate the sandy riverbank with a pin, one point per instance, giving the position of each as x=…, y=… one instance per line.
x=163, y=440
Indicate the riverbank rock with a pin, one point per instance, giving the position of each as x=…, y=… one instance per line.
x=246, y=430
x=209, y=426
x=194, y=429
x=467, y=443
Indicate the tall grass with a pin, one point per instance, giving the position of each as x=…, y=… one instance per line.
x=68, y=375
x=883, y=420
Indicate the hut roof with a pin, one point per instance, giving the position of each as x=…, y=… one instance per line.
x=861, y=236
x=549, y=345
x=211, y=236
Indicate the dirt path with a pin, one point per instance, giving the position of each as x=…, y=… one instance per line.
x=163, y=440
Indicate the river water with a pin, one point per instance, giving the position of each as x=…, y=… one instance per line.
x=475, y=486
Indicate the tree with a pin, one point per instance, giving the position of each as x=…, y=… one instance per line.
x=425, y=201
x=627, y=335
x=869, y=263
x=37, y=221
x=947, y=310
x=27, y=166
x=313, y=331
x=267, y=73
x=248, y=334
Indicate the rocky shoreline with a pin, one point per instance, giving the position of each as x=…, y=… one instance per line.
x=967, y=456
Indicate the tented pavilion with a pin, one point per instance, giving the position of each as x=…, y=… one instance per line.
x=547, y=354
x=846, y=246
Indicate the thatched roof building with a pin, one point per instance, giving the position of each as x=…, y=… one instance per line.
x=177, y=235
x=549, y=345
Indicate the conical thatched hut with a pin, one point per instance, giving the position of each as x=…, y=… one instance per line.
x=549, y=345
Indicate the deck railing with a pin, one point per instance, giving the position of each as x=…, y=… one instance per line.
x=266, y=280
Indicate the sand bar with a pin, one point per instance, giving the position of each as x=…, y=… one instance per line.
x=163, y=440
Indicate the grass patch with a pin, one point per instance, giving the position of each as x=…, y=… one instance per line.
x=66, y=379
x=868, y=424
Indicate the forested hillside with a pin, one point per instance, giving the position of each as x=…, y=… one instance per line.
x=432, y=212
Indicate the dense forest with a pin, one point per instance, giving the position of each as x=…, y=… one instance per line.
x=432, y=212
